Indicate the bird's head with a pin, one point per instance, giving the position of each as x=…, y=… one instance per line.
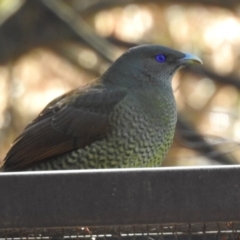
x=147, y=65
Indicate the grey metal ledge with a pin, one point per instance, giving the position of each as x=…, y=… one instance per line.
x=119, y=197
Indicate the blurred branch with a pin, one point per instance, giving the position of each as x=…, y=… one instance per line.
x=71, y=56
x=7, y=13
x=189, y=137
x=82, y=29
x=227, y=79
x=59, y=24
x=30, y=27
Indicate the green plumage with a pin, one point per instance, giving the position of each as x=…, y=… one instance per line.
x=126, y=119
x=139, y=136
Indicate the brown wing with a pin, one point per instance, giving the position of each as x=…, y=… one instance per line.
x=73, y=120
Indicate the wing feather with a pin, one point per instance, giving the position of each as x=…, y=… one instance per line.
x=73, y=120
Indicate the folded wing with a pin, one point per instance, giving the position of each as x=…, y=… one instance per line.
x=71, y=121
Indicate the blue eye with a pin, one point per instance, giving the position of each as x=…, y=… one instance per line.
x=160, y=58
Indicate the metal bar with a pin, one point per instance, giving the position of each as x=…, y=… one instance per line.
x=119, y=197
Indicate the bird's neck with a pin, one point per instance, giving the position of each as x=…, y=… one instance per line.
x=138, y=82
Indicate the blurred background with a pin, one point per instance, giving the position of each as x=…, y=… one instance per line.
x=48, y=47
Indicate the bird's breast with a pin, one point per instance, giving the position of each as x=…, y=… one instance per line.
x=143, y=128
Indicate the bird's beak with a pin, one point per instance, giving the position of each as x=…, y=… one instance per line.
x=190, y=59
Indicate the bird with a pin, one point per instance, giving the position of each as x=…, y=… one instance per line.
x=126, y=118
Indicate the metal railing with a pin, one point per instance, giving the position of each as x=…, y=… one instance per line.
x=156, y=203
